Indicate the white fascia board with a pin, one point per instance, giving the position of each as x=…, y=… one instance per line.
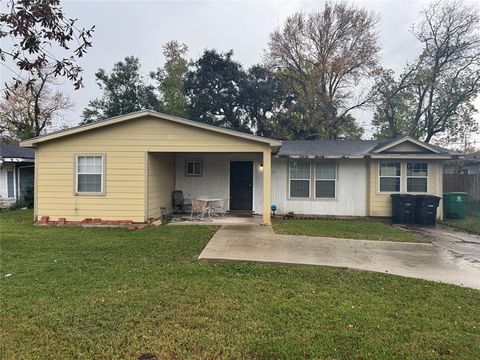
x=412, y=156
x=321, y=156
x=16, y=160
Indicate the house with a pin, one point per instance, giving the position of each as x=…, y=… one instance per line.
x=16, y=173
x=470, y=164
x=125, y=169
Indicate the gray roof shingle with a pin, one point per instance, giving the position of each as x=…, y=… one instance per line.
x=475, y=156
x=336, y=148
x=15, y=151
x=326, y=147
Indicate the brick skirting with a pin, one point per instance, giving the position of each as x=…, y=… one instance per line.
x=45, y=221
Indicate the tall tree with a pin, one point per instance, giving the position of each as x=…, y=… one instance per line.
x=323, y=56
x=263, y=98
x=393, y=101
x=31, y=28
x=433, y=97
x=171, y=79
x=212, y=88
x=30, y=111
x=124, y=91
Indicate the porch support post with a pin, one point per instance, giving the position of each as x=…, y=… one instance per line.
x=267, y=185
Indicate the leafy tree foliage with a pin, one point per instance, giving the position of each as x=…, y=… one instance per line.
x=30, y=111
x=433, y=97
x=35, y=26
x=124, y=91
x=393, y=102
x=322, y=56
x=171, y=78
x=263, y=99
x=212, y=88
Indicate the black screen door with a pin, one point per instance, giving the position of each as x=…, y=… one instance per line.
x=241, y=185
x=27, y=176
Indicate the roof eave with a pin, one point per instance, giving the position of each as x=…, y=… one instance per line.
x=401, y=140
x=414, y=156
x=34, y=141
x=17, y=159
x=295, y=156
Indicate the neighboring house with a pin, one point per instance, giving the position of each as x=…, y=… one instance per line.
x=126, y=168
x=470, y=164
x=16, y=173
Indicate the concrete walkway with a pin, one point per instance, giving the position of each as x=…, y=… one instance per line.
x=260, y=244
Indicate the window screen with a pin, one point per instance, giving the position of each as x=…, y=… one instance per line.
x=417, y=177
x=10, y=184
x=89, y=174
x=300, y=179
x=389, y=175
x=325, y=180
x=193, y=168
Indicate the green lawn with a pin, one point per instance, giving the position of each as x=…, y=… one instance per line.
x=470, y=224
x=113, y=293
x=365, y=229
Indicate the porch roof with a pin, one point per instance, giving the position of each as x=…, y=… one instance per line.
x=14, y=153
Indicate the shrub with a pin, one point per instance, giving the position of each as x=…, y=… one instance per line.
x=27, y=201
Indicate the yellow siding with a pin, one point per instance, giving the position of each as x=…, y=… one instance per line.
x=406, y=146
x=380, y=203
x=161, y=183
x=125, y=146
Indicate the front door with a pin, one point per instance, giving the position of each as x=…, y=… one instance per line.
x=241, y=185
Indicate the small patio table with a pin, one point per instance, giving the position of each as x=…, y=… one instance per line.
x=210, y=204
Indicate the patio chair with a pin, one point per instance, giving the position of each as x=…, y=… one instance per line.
x=178, y=202
x=199, y=207
x=220, y=207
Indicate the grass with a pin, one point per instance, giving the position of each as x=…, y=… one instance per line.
x=117, y=294
x=365, y=229
x=471, y=223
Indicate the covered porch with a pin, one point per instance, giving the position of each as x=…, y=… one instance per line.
x=243, y=179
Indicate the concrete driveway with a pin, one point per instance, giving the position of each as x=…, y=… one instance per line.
x=466, y=245
x=424, y=261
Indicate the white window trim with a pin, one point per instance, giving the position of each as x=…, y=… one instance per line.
x=309, y=181
x=315, y=181
x=14, y=183
x=384, y=176
x=416, y=177
x=193, y=161
x=102, y=182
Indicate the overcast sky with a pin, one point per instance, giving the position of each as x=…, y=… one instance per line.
x=140, y=28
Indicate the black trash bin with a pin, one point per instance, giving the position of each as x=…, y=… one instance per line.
x=403, y=208
x=426, y=209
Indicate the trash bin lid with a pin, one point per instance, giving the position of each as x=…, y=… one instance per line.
x=428, y=196
x=456, y=193
x=402, y=195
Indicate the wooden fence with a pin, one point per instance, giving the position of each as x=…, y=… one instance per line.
x=463, y=182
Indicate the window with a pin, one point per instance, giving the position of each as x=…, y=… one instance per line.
x=90, y=174
x=417, y=177
x=325, y=180
x=10, y=184
x=299, y=179
x=389, y=174
x=193, y=168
